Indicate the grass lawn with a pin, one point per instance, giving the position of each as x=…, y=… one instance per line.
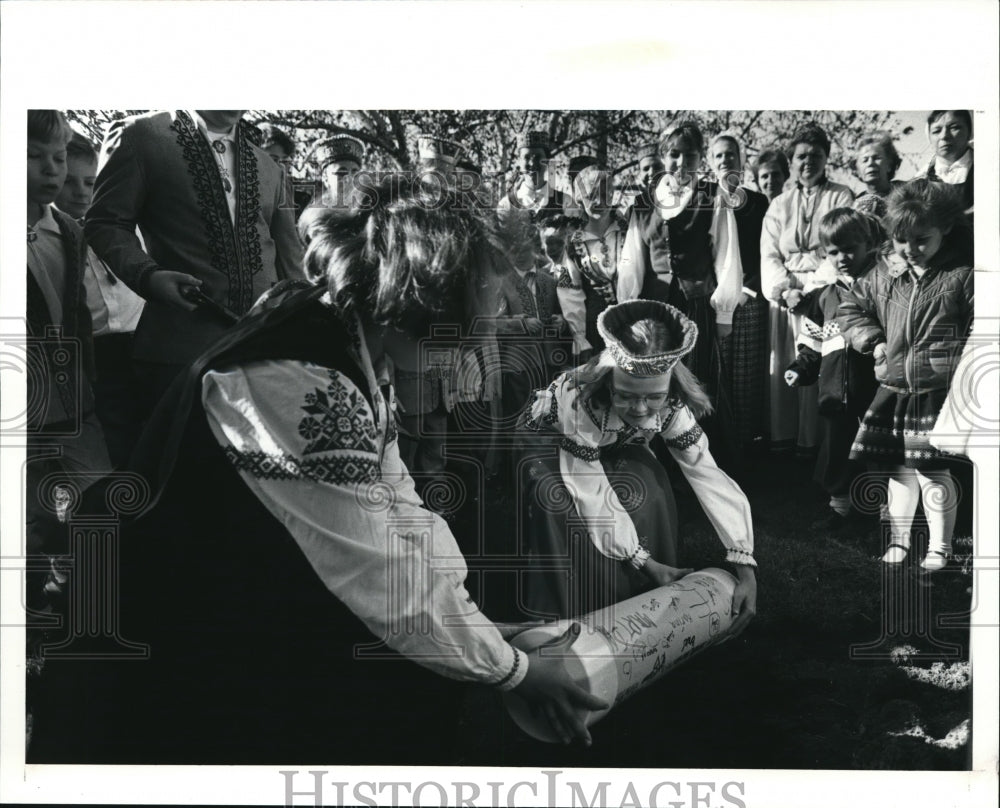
x=824, y=678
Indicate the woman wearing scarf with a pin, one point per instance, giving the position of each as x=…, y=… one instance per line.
x=746, y=350
x=790, y=253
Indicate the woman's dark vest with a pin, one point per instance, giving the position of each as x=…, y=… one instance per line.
x=253, y=659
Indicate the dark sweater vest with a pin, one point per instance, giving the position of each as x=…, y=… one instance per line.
x=682, y=245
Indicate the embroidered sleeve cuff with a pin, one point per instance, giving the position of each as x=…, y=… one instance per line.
x=639, y=558
x=735, y=556
x=517, y=671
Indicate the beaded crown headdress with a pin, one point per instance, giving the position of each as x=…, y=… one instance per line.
x=616, y=320
x=533, y=140
x=339, y=147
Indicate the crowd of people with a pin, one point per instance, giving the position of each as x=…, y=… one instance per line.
x=286, y=372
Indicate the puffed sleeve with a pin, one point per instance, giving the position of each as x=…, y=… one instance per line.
x=774, y=277
x=304, y=440
x=723, y=501
x=610, y=528
x=633, y=263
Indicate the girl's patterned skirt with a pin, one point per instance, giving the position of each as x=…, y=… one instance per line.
x=895, y=430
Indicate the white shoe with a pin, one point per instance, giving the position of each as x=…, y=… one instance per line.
x=935, y=560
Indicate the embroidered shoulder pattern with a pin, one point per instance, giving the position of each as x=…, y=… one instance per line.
x=549, y=417
x=686, y=439
x=337, y=469
x=337, y=419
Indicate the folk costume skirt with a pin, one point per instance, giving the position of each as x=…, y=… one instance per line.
x=896, y=430
x=567, y=575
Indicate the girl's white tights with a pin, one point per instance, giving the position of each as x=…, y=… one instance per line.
x=907, y=487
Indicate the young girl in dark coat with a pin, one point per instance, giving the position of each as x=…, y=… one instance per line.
x=914, y=315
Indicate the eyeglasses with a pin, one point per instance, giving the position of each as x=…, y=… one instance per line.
x=652, y=400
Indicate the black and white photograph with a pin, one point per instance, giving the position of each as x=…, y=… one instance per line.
x=484, y=432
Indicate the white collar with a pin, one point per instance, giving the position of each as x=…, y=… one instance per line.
x=203, y=128
x=46, y=222
x=957, y=171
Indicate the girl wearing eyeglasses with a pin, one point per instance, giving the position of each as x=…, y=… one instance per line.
x=600, y=519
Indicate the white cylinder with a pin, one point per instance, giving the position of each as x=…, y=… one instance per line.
x=629, y=645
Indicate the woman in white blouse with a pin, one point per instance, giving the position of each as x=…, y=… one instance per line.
x=790, y=252
x=600, y=522
x=300, y=600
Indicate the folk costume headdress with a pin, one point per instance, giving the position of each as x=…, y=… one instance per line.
x=432, y=148
x=615, y=321
x=535, y=140
x=337, y=148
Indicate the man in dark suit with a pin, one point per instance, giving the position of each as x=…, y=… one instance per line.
x=216, y=218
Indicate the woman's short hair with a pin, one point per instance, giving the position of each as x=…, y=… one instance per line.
x=811, y=134
x=963, y=114
x=408, y=256
x=79, y=146
x=48, y=126
x=884, y=141
x=849, y=226
x=922, y=203
x=686, y=131
x=769, y=157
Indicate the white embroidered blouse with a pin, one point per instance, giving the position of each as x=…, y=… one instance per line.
x=587, y=430
x=326, y=464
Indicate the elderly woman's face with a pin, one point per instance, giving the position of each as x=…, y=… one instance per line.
x=681, y=159
x=809, y=163
x=949, y=136
x=874, y=166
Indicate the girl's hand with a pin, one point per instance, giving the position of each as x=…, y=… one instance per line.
x=744, y=599
x=881, y=362
x=792, y=378
x=662, y=574
x=554, y=694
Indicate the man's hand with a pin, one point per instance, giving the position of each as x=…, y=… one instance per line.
x=165, y=286
x=792, y=298
x=554, y=694
x=792, y=378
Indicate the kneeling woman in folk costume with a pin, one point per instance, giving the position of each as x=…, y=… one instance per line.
x=299, y=600
x=601, y=524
